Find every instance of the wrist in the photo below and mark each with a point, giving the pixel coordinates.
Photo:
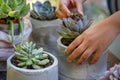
(115, 21)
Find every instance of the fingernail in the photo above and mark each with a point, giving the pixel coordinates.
(68, 14)
(81, 13)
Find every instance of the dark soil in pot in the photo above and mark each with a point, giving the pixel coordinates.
(66, 41)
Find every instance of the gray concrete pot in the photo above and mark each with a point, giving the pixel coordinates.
(71, 71)
(45, 32)
(49, 73)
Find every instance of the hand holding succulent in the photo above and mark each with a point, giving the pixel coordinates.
(92, 43)
(72, 27)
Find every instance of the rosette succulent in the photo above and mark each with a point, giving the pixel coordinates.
(11, 10)
(72, 27)
(43, 11)
(27, 56)
(112, 74)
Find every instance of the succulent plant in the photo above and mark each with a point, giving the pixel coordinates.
(43, 11)
(112, 74)
(27, 56)
(11, 10)
(72, 27)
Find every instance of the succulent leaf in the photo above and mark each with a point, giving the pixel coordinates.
(29, 62)
(44, 62)
(12, 3)
(5, 8)
(1, 2)
(36, 66)
(22, 64)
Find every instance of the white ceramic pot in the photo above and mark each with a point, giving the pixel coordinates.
(71, 71)
(44, 33)
(49, 73)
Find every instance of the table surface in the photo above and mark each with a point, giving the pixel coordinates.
(112, 60)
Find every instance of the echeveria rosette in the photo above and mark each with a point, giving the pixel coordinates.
(112, 74)
(29, 57)
(72, 27)
(13, 9)
(43, 11)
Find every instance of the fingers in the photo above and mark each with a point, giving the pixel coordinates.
(74, 44)
(62, 11)
(96, 57)
(88, 52)
(65, 10)
(79, 8)
(77, 52)
(59, 14)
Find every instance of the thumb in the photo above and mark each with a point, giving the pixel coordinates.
(79, 8)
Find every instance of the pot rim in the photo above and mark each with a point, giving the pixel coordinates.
(55, 63)
(60, 43)
(43, 20)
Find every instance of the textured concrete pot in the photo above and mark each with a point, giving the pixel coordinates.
(71, 71)
(48, 73)
(45, 32)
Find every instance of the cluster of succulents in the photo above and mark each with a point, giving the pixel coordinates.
(43, 11)
(11, 10)
(31, 58)
(72, 27)
(112, 74)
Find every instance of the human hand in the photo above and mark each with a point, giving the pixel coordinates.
(67, 6)
(93, 41)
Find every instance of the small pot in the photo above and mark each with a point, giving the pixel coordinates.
(48, 73)
(71, 71)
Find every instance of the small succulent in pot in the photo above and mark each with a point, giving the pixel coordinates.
(12, 11)
(27, 56)
(43, 11)
(72, 27)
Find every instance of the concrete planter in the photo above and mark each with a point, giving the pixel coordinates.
(45, 32)
(71, 71)
(48, 73)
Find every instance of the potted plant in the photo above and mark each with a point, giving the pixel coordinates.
(44, 23)
(30, 63)
(72, 27)
(11, 26)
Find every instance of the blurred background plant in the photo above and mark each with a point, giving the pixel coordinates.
(43, 11)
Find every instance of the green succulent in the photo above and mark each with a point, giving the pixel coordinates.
(13, 9)
(29, 57)
(72, 27)
(43, 11)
